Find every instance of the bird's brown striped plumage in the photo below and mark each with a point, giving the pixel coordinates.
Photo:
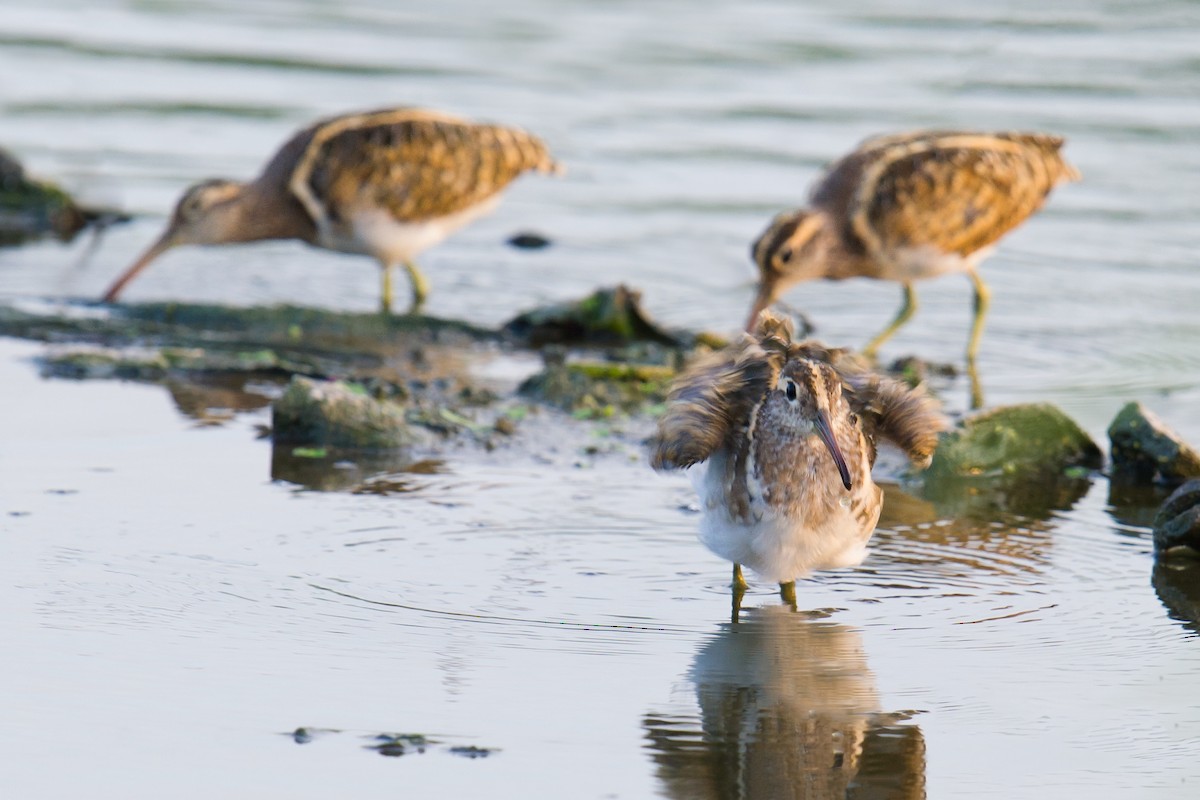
(911, 206)
(417, 164)
(784, 434)
(385, 183)
(713, 400)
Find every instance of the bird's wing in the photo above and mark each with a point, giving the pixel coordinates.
(707, 401)
(956, 192)
(416, 164)
(909, 418)
(717, 392)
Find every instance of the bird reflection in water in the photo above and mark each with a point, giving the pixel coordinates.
(788, 709)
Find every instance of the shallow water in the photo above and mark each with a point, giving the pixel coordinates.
(174, 613)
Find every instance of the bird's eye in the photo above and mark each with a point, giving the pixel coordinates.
(853, 419)
(785, 255)
(790, 391)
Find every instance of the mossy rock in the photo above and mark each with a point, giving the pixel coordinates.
(600, 389)
(1145, 449)
(1030, 440)
(1024, 459)
(335, 414)
(606, 317)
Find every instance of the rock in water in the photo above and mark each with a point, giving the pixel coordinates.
(1025, 459)
(1177, 523)
(1144, 449)
(606, 317)
(1030, 440)
(335, 414)
(31, 209)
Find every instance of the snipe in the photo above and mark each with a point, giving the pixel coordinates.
(780, 439)
(387, 184)
(908, 207)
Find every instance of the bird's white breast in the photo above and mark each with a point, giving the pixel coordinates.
(774, 544)
(908, 264)
(376, 232)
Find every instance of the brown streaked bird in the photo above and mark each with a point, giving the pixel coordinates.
(911, 206)
(387, 184)
(780, 438)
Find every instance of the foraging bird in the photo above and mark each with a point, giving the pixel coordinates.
(387, 184)
(780, 436)
(908, 207)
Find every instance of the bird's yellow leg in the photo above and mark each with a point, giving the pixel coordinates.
(739, 580)
(420, 287)
(739, 591)
(787, 591)
(983, 301)
(976, 386)
(385, 293)
(906, 311)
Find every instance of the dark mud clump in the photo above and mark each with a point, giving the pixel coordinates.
(31, 209)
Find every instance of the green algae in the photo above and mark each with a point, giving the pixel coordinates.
(1022, 441)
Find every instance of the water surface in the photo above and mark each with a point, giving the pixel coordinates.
(174, 613)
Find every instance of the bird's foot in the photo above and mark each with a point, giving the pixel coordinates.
(787, 591)
(739, 588)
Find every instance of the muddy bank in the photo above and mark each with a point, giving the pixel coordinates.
(359, 399)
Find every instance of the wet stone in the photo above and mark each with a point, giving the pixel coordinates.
(1027, 441)
(1177, 523)
(1145, 449)
(606, 317)
(336, 414)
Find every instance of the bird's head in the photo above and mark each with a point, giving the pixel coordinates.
(205, 214)
(807, 399)
(789, 251)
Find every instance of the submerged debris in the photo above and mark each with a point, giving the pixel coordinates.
(471, 751)
(528, 240)
(1177, 523)
(1145, 449)
(399, 744)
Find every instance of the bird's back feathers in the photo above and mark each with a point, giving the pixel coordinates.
(711, 401)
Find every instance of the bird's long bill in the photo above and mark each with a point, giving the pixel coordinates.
(825, 431)
(764, 298)
(155, 250)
